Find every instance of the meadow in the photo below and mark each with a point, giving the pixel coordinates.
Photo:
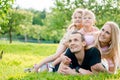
(18, 56)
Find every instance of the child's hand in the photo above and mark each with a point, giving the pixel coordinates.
(66, 60)
(35, 68)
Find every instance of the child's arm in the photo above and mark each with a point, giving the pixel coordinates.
(61, 48)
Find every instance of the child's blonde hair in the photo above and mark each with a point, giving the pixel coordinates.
(89, 12)
(78, 10)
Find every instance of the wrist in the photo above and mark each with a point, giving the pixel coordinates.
(74, 72)
(77, 69)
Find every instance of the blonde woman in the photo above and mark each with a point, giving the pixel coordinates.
(108, 44)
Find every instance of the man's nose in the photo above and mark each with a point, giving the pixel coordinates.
(72, 42)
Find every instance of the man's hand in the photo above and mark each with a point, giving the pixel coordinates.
(84, 71)
(66, 70)
(61, 67)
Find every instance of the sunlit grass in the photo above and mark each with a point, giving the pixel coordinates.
(28, 48)
(12, 64)
(18, 56)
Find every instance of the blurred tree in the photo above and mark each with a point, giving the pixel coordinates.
(25, 24)
(36, 32)
(5, 5)
(53, 24)
(24, 30)
(57, 20)
(60, 16)
(38, 17)
(15, 18)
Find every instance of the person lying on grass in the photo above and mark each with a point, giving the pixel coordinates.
(85, 18)
(108, 44)
(80, 60)
(48, 62)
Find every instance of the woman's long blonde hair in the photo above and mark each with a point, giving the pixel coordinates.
(113, 50)
(89, 12)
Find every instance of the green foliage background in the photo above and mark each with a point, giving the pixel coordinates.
(22, 24)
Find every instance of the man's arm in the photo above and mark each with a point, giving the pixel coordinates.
(64, 63)
(95, 61)
(65, 69)
(84, 71)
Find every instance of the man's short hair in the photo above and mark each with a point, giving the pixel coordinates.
(82, 36)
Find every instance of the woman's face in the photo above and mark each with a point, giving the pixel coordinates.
(105, 34)
(88, 20)
(77, 19)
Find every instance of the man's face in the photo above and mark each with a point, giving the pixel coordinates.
(75, 43)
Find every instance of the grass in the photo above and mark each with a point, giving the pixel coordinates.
(18, 56)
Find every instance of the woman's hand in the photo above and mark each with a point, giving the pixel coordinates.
(98, 68)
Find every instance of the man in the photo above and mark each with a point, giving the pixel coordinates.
(77, 60)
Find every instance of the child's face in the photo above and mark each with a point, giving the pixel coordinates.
(77, 19)
(88, 20)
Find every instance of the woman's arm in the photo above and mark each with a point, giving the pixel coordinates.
(98, 68)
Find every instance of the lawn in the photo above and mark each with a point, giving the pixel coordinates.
(18, 56)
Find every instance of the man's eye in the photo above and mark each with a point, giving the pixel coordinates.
(75, 39)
